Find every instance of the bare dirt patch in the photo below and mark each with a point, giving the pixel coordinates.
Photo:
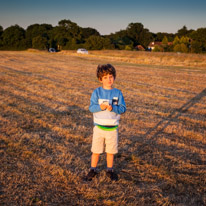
(46, 131)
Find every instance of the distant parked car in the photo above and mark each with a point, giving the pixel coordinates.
(52, 50)
(82, 51)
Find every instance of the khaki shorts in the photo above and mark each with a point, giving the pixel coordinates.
(107, 138)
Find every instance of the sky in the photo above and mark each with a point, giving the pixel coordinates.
(106, 16)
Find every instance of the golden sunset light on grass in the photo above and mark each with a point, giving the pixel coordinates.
(46, 129)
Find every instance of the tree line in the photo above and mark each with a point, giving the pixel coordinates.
(67, 35)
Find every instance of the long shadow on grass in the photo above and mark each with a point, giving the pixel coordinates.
(185, 166)
(40, 111)
(150, 138)
(178, 173)
(149, 150)
(174, 115)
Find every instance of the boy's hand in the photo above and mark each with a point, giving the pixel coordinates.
(109, 108)
(103, 106)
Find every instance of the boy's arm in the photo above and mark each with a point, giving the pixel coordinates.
(94, 105)
(121, 107)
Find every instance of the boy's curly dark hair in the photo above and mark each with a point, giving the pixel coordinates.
(105, 69)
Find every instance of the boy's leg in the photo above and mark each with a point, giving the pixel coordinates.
(110, 172)
(111, 149)
(92, 172)
(94, 160)
(110, 160)
(97, 148)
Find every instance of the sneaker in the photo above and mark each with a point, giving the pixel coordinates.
(112, 175)
(91, 174)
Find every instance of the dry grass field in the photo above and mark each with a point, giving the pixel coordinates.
(46, 129)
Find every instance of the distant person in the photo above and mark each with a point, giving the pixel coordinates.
(106, 104)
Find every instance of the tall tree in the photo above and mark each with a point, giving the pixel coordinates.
(71, 29)
(59, 36)
(182, 32)
(36, 30)
(199, 40)
(138, 34)
(13, 38)
(134, 31)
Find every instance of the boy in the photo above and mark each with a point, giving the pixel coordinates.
(107, 103)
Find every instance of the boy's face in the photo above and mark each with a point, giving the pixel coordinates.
(107, 81)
